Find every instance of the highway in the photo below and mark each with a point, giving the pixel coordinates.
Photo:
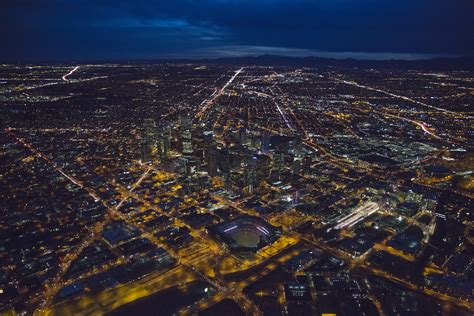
(207, 103)
(268, 267)
(70, 73)
(421, 124)
(284, 117)
(353, 83)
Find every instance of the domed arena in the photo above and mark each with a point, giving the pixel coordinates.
(245, 233)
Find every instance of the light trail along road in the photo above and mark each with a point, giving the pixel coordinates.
(284, 117)
(421, 124)
(353, 83)
(215, 95)
(70, 73)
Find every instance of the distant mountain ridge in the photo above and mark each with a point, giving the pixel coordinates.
(459, 63)
(446, 63)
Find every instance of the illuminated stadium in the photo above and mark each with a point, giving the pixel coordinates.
(245, 233)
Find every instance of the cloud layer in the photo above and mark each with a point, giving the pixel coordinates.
(119, 29)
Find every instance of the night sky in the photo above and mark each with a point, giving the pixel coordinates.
(81, 30)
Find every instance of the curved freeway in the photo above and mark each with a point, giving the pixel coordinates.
(70, 73)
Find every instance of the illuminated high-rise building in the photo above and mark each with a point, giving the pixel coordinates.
(243, 136)
(227, 182)
(207, 143)
(252, 174)
(184, 123)
(149, 129)
(212, 162)
(255, 142)
(187, 142)
(295, 197)
(278, 164)
(165, 148)
(187, 165)
(148, 140)
(185, 135)
(265, 142)
(307, 161)
(224, 161)
(296, 167)
(145, 151)
(235, 158)
(263, 168)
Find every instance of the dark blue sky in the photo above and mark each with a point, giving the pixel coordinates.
(140, 29)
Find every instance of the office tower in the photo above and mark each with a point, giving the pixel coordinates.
(184, 123)
(185, 135)
(227, 182)
(242, 136)
(263, 168)
(235, 158)
(278, 164)
(149, 127)
(148, 138)
(295, 197)
(187, 165)
(224, 161)
(307, 161)
(207, 142)
(161, 142)
(198, 143)
(255, 142)
(265, 142)
(193, 165)
(145, 151)
(212, 162)
(160, 148)
(297, 157)
(165, 148)
(296, 167)
(182, 166)
(186, 141)
(252, 174)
